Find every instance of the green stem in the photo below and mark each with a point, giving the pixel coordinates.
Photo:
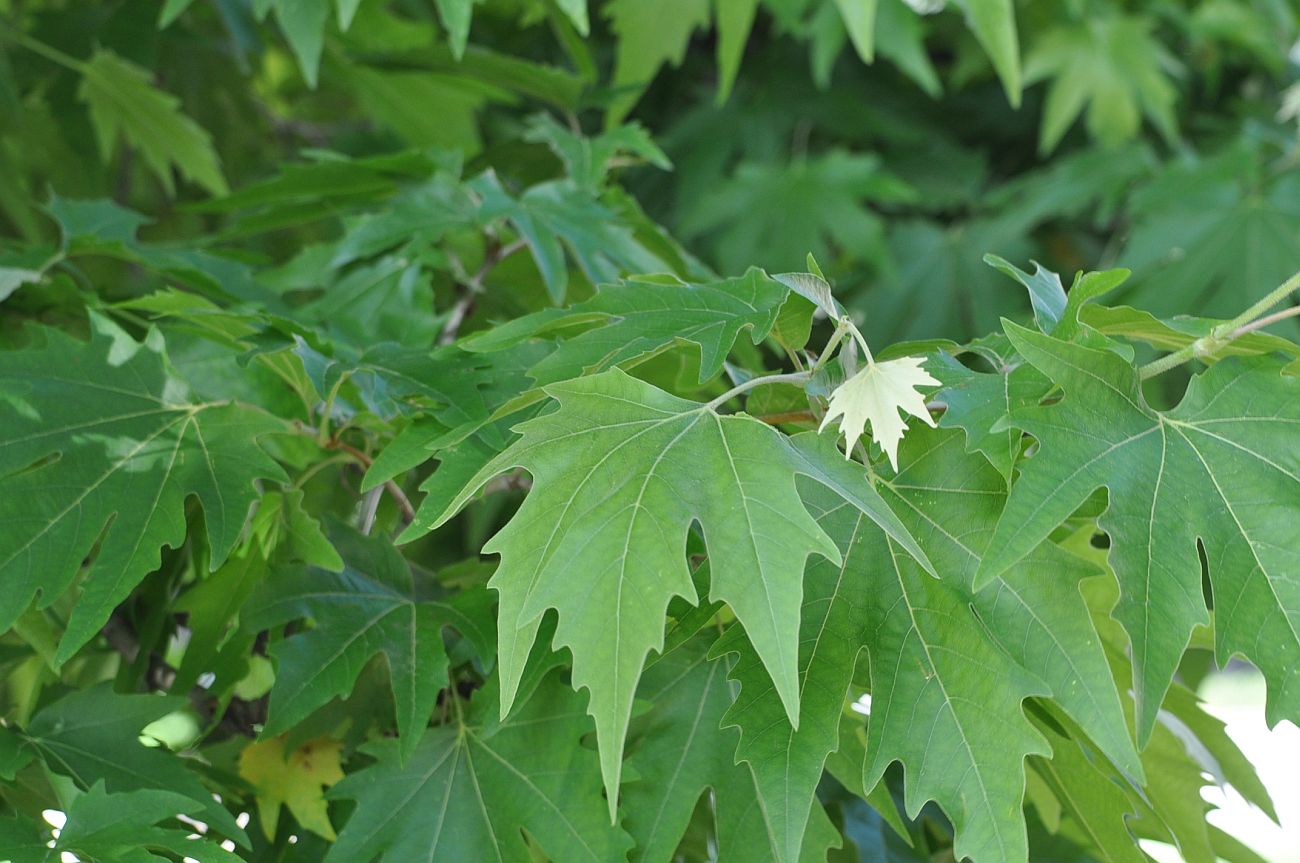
(1280, 293)
(831, 345)
(789, 378)
(323, 435)
(1266, 321)
(1224, 333)
(862, 342)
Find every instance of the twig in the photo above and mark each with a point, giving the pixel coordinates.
(784, 417)
(393, 489)
(471, 288)
(1224, 333)
(370, 506)
(1265, 321)
(789, 378)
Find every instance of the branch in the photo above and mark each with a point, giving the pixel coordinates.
(471, 288)
(393, 489)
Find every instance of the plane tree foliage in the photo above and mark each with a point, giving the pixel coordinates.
(751, 430)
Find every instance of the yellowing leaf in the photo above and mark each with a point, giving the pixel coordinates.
(876, 394)
(298, 781)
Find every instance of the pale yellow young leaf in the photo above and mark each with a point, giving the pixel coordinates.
(876, 395)
(298, 781)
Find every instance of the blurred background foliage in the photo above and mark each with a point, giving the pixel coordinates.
(377, 177)
(897, 141)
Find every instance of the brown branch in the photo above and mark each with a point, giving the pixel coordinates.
(787, 417)
(472, 287)
(393, 489)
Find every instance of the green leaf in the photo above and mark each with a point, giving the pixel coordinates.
(213, 606)
(812, 204)
(735, 21)
(649, 35)
(1111, 65)
(1040, 624)
(968, 752)
(1208, 232)
(93, 736)
(1046, 293)
(979, 403)
(124, 104)
(1091, 798)
(24, 840)
(682, 751)
(455, 16)
(281, 522)
(1219, 471)
(486, 780)
(14, 755)
(100, 446)
(900, 38)
(788, 762)
(814, 288)
(642, 316)
(303, 24)
(620, 472)
(860, 21)
(587, 160)
(1178, 332)
(172, 10)
(449, 118)
(370, 608)
(116, 828)
(994, 24)
(553, 216)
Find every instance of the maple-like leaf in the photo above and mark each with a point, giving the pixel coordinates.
(1243, 234)
(968, 751)
(296, 779)
(100, 445)
(793, 208)
(683, 750)
(370, 608)
(587, 160)
(876, 394)
(620, 472)
(470, 790)
(787, 762)
(950, 502)
(648, 37)
(558, 215)
(124, 104)
(117, 828)
(93, 736)
(644, 315)
(1221, 470)
(1111, 65)
(1092, 799)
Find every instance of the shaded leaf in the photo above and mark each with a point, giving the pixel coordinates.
(131, 447)
(123, 103)
(485, 780)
